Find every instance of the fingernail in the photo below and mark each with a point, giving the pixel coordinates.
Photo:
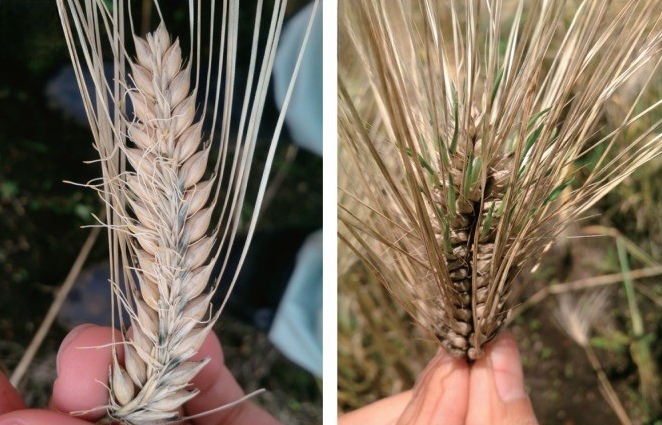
(507, 369)
(67, 340)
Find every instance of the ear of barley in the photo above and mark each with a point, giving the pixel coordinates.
(476, 139)
(159, 191)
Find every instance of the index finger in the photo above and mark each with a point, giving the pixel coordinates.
(218, 387)
(82, 371)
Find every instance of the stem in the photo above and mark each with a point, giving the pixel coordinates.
(637, 322)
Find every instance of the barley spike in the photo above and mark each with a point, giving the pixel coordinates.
(462, 131)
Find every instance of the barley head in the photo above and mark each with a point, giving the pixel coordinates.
(480, 126)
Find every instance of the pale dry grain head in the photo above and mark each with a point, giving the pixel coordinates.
(167, 232)
(482, 120)
(160, 192)
(577, 315)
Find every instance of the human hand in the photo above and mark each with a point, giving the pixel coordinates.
(450, 392)
(82, 373)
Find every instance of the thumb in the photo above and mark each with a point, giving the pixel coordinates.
(496, 387)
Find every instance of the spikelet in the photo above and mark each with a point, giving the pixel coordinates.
(160, 193)
(475, 141)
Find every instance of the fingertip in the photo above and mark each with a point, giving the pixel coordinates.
(440, 393)
(217, 388)
(443, 356)
(496, 390)
(71, 336)
(10, 399)
(82, 370)
(507, 368)
(211, 349)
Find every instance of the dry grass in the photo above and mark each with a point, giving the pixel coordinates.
(380, 350)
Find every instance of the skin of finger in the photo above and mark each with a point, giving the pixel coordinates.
(383, 412)
(440, 394)
(10, 399)
(218, 387)
(501, 363)
(39, 417)
(82, 371)
(77, 388)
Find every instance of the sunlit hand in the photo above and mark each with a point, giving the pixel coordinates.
(450, 392)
